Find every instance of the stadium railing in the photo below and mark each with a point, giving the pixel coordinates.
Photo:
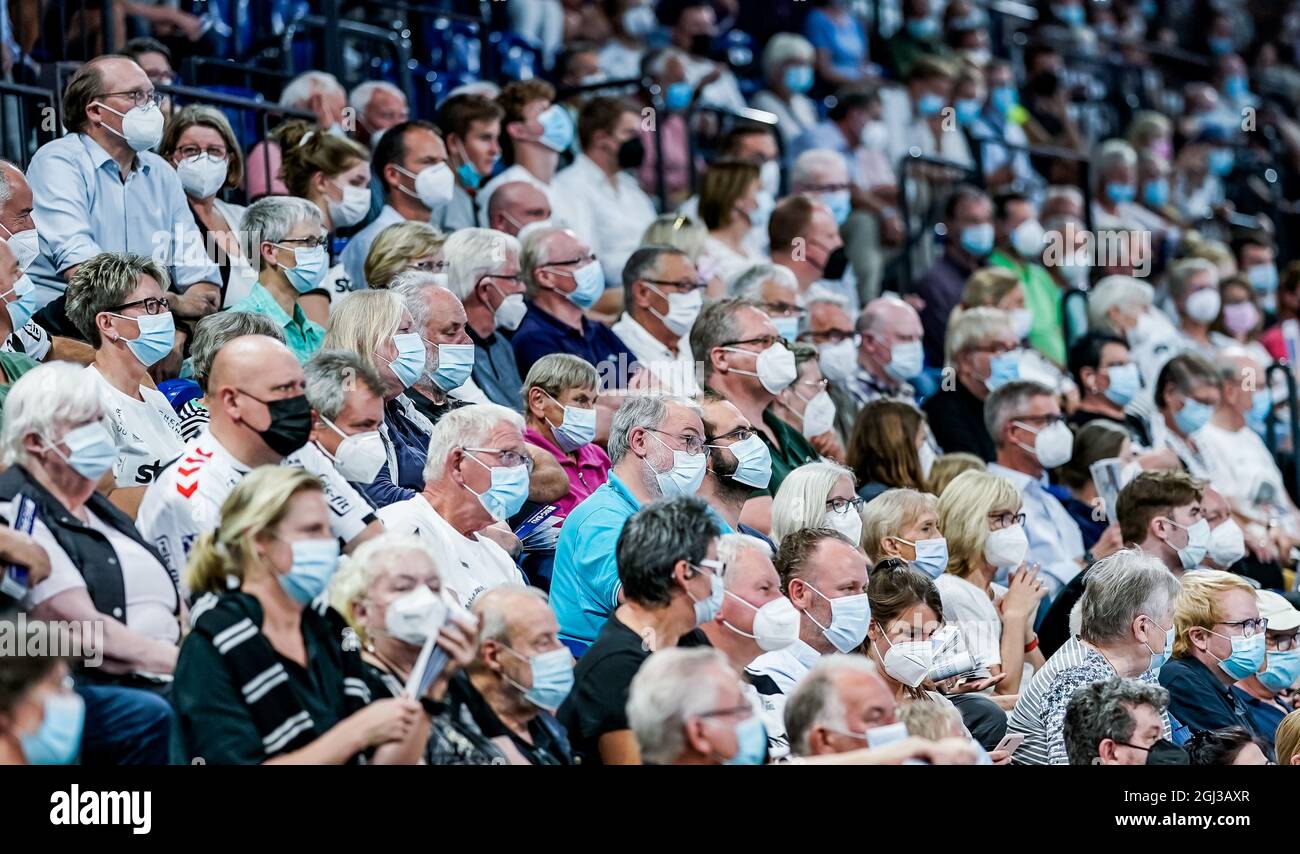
(30, 116)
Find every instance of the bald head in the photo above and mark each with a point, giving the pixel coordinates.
(887, 312)
(516, 204)
(248, 375)
(242, 359)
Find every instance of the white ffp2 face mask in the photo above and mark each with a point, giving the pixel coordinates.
(908, 661)
(1053, 444)
(1227, 543)
(202, 176)
(776, 623)
(1006, 547)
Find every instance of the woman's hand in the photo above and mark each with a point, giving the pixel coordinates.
(952, 686)
(1024, 592)
(461, 643)
(390, 719)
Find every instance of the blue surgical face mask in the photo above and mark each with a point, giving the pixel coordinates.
(1158, 659)
(850, 618)
(1236, 86)
(798, 78)
(929, 104)
(59, 737)
(1003, 98)
(707, 609)
(576, 429)
(91, 450)
(1261, 404)
(508, 492)
(1220, 45)
(787, 327)
(753, 462)
(309, 267)
(1155, 192)
(1119, 192)
(156, 338)
(978, 239)
(469, 175)
(922, 29)
(1282, 671)
(590, 285)
(967, 110)
(314, 562)
(677, 96)
(931, 555)
(906, 360)
(840, 203)
(751, 742)
(1193, 416)
(1124, 383)
(1263, 277)
(557, 128)
(1221, 161)
(455, 363)
(1247, 655)
(1003, 368)
(22, 309)
(410, 360)
(552, 677)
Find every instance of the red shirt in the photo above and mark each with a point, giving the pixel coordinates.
(589, 471)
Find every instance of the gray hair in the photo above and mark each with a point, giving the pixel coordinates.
(749, 284)
(557, 372)
(970, 327)
(800, 502)
(270, 219)
(212, 332)
(331, 374)
(1064, 191)
(46, 400)
(1118, 589)
(1118, 290)
(466, 427)
(103, 283)
(730, 546)
(1112, 153)
(644, 260)
(1102, 710)
(640, 410)
(814, 163)
(472, 253)
(815, 701)
(874, 313)
(357, 572)
(495, 607)
(1182, 271)
(411, 285)
(673, 686)
(300, 89)
(6, 183)
(1007, 400)
(715, 326)
(361, 95)
(535, 252)
(783, 48)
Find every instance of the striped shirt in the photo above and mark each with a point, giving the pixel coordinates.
(1039, 714)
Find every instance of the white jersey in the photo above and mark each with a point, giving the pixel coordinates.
(32, 340)
(147, 432)
(185, 501)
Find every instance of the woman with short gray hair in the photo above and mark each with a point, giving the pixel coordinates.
(1127, 630)
(560, 394)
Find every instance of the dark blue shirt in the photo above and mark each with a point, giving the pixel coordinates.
(1083, 515)
(1200, 701)
(542, 333)
(1266, 716)
(411, 447)
(495, 371)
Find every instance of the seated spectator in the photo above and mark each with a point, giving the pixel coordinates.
(445, 382)
(561, 391)
(998, 287)
(1032, 438)
(285, 246)
(1108, 380)
(516, 204)
(483, 273)
(739, 465)
(1187, 394)
(888, 449)
(1127, 630)
(662, 296)
(1268, 692)
(409, 246)
(475, 475)
(13, 364)
(1098, 440)
(729, 207)
(670, 583)
(670, 139)
(630, 21)
(1020, 239)
(564, 280)
(347, 404)
(776, 291)
(648, 433)
(1001, 136)
(273, 555)
(947, 467)
(41, 719)
(1257, 261)
(685, 707)
(313, 91)
(979, 514)
(534, 132)
(1207, 662)
(1119, 722)
(968, 217)
(210, 335)
(788, 73)
(805, 238)
(828, 327)
(376, 327)
(112, 296)
(1241, 321)
(472, 128)
(899, 522)
(1194, 294)
(919, 38)
(805, 404)
(839, 37)
(410, 163)
(824, 576)
(200, 143)
(22, 300)
(155, 60)
(1288, 740)
(817, 495)
(981, 352)
(693, 28)
(1229, 746)
(888, 356)
(376, 105)
(1123, 306)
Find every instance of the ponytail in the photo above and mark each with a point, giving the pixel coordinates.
(306, 149)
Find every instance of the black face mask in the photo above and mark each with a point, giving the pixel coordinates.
(836, 263)
(1165, 752)
(631, 154)
(290, 424)
(702, 46)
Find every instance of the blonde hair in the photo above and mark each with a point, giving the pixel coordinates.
(397, 247)
(926, 718)
(258, 503)
(357, 572)
(1198, 605)
(987, 286)
(968, 327)
(964, 510)
(948, 466)
(1287, 739)
(210, 117)
(306, 149)
(361, 320)
(801, 500)
(678, 231)
(889, 513)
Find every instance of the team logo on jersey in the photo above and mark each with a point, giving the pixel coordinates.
(187, 471)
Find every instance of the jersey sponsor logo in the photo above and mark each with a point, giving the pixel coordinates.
(148, 472)
(187, 471)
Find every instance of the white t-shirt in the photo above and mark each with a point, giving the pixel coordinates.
(467, 565)
(151, 603)
(972, 611)
(147, 432)
(616, 213)
(1239, 464)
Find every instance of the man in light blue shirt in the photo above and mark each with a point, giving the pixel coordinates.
(645, 438)
(99, 189)
(1031, 436)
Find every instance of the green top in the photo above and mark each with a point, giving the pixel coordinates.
(301, 335)
(1043, 299)
(15, 365)
(795, 450)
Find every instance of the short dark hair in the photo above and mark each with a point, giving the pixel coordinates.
(642, 260)
(731, 141)
(143, 44)
(1102, 710)
(960, 194)
(1004, 200)
(797, 549)
(1086, 353)
(1220, 746)
(392, 145)
(1152, 494)
(1099, 439)
(655, 539)
(852, 98)
(82, 88)
(1185, 371)
(1254, 237)
(600, 113)
(458, 112)
(892, 588)
(789, 221)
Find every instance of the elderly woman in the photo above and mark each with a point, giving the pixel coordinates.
(118, 302)
(730, 205)
(101, 569)
(333, 173)
(980, 349)
(284, 241)
(405, 246)
(1126, 629)
(888, 449)
(377, 327)
(1001, 288)
(806, 405)
(560, 393)
(257, 576)
(817, 495)
(1186, 394)
(41, 718)
(1241, 320)
(210, 335)
(200, 143)
(1115, 187)
(979, 514)
(788, 71)
(903, 522)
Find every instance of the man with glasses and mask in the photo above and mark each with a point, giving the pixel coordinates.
(662, 296)
(101, 189)
(260, 416)
(656, 444)
(483, 273)
(1268, 695)
(739, 464)
(1119, 722)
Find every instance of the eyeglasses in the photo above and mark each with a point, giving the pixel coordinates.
(215, 152)
(691, 444)
(683, 287)
(305, 242)
(998, 521)
(1045, 420)
(514, 278)
(821, 384)
(764, 341)
(829, 336)
(509, 459)
(740, 434)
(139, 97)
(429, 266)
(1284, 643)
(152, 305)
(582, 259)
(743, 710)
(841, 505)
(712, 567)
(1249, 628)
(784, 309)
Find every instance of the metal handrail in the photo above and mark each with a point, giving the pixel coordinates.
(333, 29)
(910, 240)
(1293, 409)
(27, 96)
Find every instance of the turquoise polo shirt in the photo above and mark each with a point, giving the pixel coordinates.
(301, 335)
(584, 582)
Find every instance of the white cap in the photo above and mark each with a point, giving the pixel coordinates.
(1282, 615)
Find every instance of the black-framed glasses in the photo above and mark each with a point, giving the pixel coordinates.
(514, 278)
(1249, 628)
(215, 152)
(1284, 643)
(434, 266)
(691, 444)
(1005, 520)
(712, 567)
(686, 287)
(152, 305)
(508, 458)
(740, 434)
(841, 505)
(305, 242)
(764, 341)
(139, 97)
(583, 259)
